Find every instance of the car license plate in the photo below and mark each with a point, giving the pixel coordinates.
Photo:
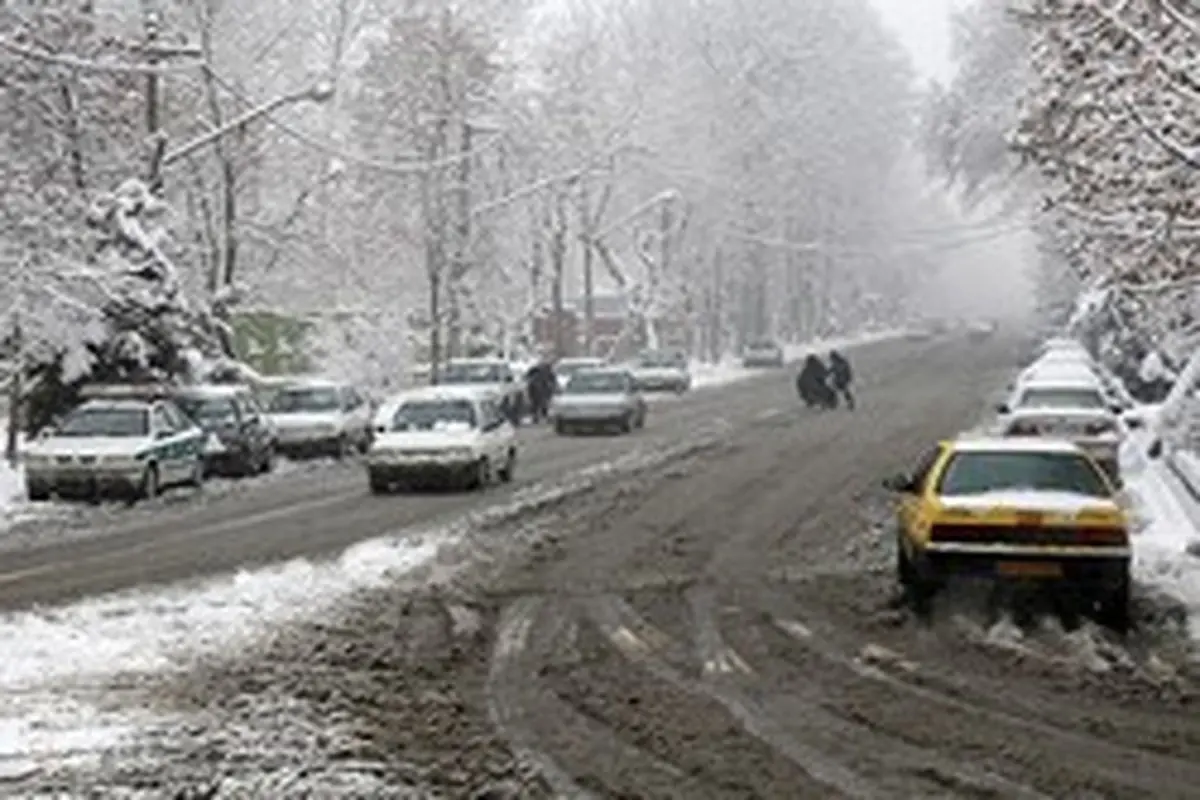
(1029, 569)
(1030, 518)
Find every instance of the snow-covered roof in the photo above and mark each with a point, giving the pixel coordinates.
(215, 389)
(313, 382)
(1072, 382)
(433, 393)
(1035, 412)
(1033, 444)
(116, 404)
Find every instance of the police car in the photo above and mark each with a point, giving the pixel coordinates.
(130, 441)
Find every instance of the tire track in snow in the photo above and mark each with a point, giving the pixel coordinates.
(506, 709)
(642, 643)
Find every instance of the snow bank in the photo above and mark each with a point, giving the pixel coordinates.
(73, 679)
(730, 370)
(12, 486)
(1165, 517)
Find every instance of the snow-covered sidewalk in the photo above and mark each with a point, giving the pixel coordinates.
(12, 487)
(730, 370)
(1167, 528)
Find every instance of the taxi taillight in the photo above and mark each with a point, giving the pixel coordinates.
(1030, 535)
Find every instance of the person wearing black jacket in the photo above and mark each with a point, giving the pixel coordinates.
(812, 384)
(540, 384)
(841, 376)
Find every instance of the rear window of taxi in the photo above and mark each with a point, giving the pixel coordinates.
(981, 472)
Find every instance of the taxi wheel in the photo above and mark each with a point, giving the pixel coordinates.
(1113, 607)
(378, 484)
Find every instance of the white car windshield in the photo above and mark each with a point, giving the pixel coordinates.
(302, 400)
(984, 472)
(474, 373)
(431, 415)
(661, 361)
(1062, 398)
(568, 368)
(106, 422)
(597, 383)
(208, 410)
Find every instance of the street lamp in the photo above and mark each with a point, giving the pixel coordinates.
(322, 91)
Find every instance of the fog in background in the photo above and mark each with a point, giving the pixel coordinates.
(989, 277)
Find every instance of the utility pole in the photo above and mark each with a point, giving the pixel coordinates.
(454, 331)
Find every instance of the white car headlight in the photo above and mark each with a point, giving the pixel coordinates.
(460, 452)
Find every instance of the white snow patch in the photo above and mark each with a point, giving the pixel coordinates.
(1166, 518)
(12, 488)
(70, 677)
(1032, 499)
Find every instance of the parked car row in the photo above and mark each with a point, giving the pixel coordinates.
(136, 440)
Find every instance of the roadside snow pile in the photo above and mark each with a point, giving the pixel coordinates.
(12, 487)
(730, 370)
(74, 681)
(1165, 527)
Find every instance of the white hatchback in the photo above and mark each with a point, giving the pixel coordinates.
(442, 434)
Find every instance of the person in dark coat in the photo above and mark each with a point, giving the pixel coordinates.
(812, 384)
(841, 376)
(540, 385)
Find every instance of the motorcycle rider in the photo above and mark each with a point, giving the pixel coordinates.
(841, 376)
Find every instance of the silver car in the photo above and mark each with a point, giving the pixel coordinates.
(763, 353)
(599, 399)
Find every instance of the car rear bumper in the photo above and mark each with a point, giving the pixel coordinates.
(1107, 566)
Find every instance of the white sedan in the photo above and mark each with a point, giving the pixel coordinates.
(441, 434)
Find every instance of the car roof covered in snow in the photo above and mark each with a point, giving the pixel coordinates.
(116, 404)
(312, 382)
(992, 444)
(450, 392)
(582, 360)
(1050, 382)
(213, 390)
(1081, 412)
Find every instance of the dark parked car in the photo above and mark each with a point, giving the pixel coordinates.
(240, 440)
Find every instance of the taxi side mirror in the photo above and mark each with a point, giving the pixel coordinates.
(1155, 450)
(899, 483)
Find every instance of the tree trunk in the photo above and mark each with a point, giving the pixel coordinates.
(558, 257)
(15, 391)
(589, 299)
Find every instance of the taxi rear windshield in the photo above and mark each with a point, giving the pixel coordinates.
(106, 422)
(432, 415)
(979, 473)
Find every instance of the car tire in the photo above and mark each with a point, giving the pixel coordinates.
(905, 573)
(1113, 607)
(482, 476)
(627, 423)
(560, 427)
(510, 468)
(196, 481)
(377, 483)
(37, 493)
(268, 461)
(343, 448)
(149, 487)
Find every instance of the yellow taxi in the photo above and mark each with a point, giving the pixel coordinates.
(1013, 508)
